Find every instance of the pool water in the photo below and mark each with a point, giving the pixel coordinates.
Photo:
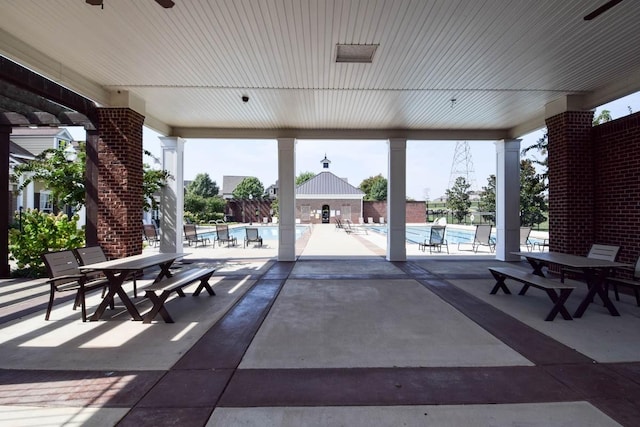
(267, 232)
(418, 234)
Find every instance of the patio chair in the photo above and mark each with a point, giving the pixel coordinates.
(482, 237)
(252, 235)
(65, 276)
(633, 283)
(541, 246)
(222, 235)
(436, 239)
(94, 254)
(606, 252)
(191, 235)
(524, 238)
(356, 229)
(151, 234)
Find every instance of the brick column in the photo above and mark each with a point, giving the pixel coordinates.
(119, 211)
(571, 182)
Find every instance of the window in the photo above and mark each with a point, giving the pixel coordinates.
(305, 212)
(46, 204)
(346, 211)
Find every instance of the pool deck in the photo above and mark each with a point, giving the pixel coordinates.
(338, 337)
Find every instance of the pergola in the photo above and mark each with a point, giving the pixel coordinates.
(438, 70)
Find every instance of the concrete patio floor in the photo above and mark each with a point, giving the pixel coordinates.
(339, 337)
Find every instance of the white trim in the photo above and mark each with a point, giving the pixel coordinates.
(329, 196)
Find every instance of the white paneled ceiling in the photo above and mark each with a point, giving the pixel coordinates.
(502, 61)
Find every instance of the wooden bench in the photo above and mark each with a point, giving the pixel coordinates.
(551, 287)
(159, 292)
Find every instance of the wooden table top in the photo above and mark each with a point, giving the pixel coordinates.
(570, 260)
(135, 262)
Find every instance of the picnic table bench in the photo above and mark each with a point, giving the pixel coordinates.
(558, 292)
(159, 292)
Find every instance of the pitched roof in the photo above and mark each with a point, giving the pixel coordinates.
(18, 151)
(327, 183)
(230, 182)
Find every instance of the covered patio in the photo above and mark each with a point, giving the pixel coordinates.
(363, 337)
(351, 340)
(438, 70)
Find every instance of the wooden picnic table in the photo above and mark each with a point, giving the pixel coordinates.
(595, 272)
(117, 271)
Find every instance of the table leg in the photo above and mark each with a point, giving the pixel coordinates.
(164, 271)
(115, 288)
(595, 283)
(537, 266)
(558, 304)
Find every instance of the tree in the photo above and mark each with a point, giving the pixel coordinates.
(487, 201)
(304, 177)
(532, 195)
(202, 185)
(64, 178)
(603, 117)
(250, 186)
(379, 190)
(458, 198)
(372, 188)
(533, 205)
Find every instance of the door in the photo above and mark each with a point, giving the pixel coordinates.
(325, 214)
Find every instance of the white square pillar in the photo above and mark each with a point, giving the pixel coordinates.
(172, 200)
(396, 200)
(507, 199)
(287, 199)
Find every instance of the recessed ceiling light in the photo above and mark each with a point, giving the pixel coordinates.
(358, 53)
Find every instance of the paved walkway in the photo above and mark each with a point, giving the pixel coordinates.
(340, 337)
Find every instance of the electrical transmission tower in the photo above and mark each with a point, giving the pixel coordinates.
(462, 165)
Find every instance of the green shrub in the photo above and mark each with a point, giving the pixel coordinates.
(42, 232)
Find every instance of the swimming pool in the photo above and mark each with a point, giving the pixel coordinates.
(418, 234)
(267, 232)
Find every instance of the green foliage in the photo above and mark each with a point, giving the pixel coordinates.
(458, 198)
(374, 188)
(63, 178)
(487, 202)
(603, 117)
(250, 186)
(379, 190)
(42, 232)
(66, 179)
(533, 205)
(304, 177)
(202, 185)
(200, 209)
(275, 207)
(532, 195)
(153, 180)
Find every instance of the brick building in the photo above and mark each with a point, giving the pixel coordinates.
(326, 196)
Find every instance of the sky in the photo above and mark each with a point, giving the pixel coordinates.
(429, 163)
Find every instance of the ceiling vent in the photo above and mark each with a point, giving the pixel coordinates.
(356, 53)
